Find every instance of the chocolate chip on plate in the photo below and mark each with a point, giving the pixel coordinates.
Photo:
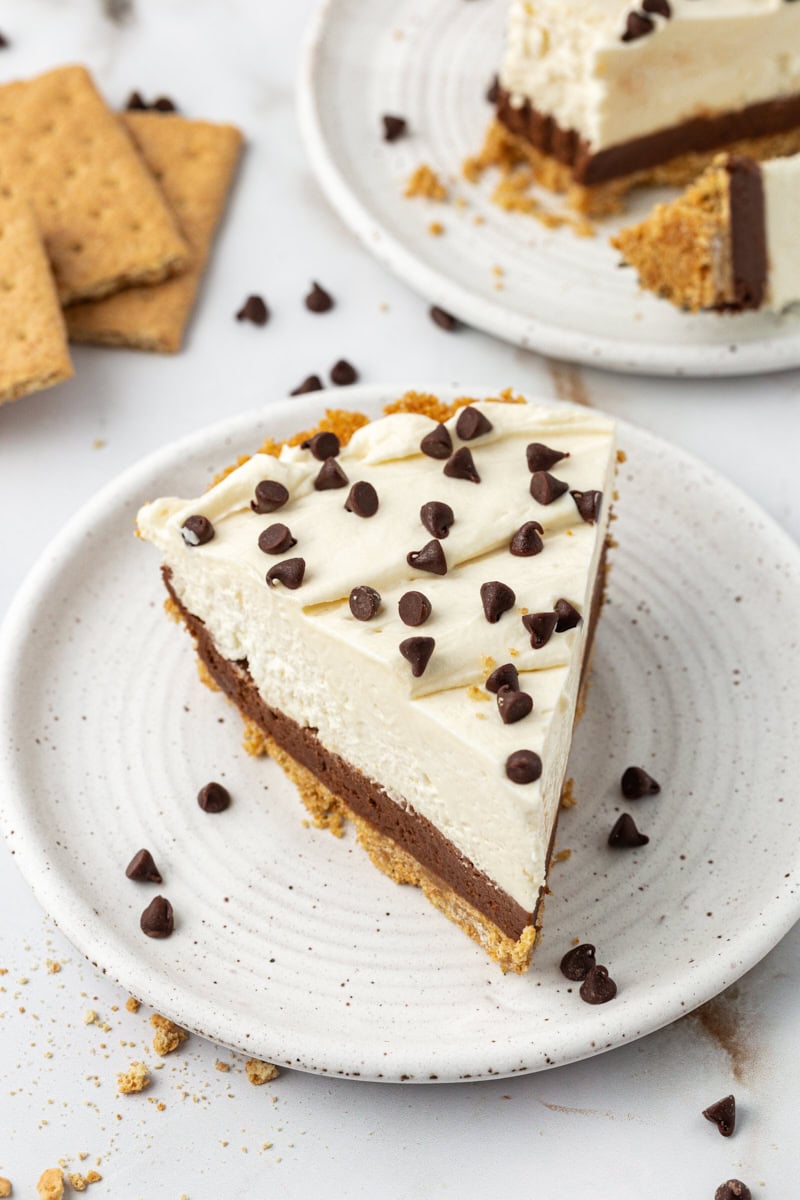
(523, 766)
(364, 602)
(505, 676)
(636, 783)
(462, 466)
(437, 443)
(541, 457)
(430, 558)
(197, 530)
(443, 319)
(567, 616)
(143, 869)
(290, 573)
(598, 987)
(527, 541)
(254, 310)
(437, 518)
(493, 90)
(343, 373)
(497, 598)
(269, 497)
(662, 7)
(330, 476)
(512, 705)
(588, 505)
(723, 1115)
(362, 499)
(625, 835)
(158, 919)
(541, 626)
(733, 1189)
(312, 383)
(276, 539)
(417, 651)
(472, 423)
(322, 445)
(414, 608)
(213, 797)
(578, 962)
(545, 488)
(394, 127)
(318, 300)
(637, 26)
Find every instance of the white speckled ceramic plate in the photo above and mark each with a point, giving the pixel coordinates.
(561, 295)
(288, 943)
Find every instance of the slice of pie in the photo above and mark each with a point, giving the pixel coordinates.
(403, 617)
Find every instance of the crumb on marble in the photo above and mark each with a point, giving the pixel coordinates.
(135, 1079)
(259, 1072)
(5, 1187)
(168, 1035)
(132, 1004)
(51, 1184)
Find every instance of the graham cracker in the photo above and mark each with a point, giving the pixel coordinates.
(194, 162)
(33, 342)
(104, 221)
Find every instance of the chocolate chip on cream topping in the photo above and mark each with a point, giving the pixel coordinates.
(461, 747)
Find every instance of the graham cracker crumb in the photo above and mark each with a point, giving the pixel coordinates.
(254, 741)
(568, 798)
(477, 693)
(563, 855)
(5, 1187)
(93, 1176)
(488, 664)
(51, 1184)
(135, 1079)
(89, 1017)
(168, 1035)
(219, 1065)
(260, 1072)
(436, 229)
(622, 456)
(132, 1004)
(340, 421)
(424, 182)
(52, 967)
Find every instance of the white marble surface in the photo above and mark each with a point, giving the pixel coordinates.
(622, 1126)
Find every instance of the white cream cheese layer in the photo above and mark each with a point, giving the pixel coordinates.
(781, 180)
(435, 743)
(567, 58)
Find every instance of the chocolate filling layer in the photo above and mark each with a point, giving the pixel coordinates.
(748, 232)
(698, 134)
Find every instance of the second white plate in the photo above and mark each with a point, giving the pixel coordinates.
(559, 294)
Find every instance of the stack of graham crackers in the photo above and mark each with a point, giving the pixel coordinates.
(106, 224)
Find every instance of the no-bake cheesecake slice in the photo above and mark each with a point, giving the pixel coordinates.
(601, 95)
(404, 620)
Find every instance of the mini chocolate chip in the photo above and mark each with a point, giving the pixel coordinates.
(437, 443)
(213, 798)
(513, 706)
(330, 476)
(276, 539)
(505, 676)
(135, 103)
(662, 7)
(394, 127)
(527, 541)
(597, 987)
(322, 445)
(567, 617)
(541, 626)
(290, 573)
(437, 518)
(362, 499)
(723, 1115)
(443, 319)
(493, 90)
(343, 373)
(545, 488)
(541, 457)
(255, 310)
(312, 383)
(157, 920)
(4, 42)
(637, 26)
(164, 104)
(625, 835)
(588, 505)
(364, 602)
(318, 300)
(417, 651)
(472, 423)
(143, 869)
(414, 608)
(461, 466)
(523, 766)
(497, 598)
(430, 558)
(733, 1189)
(578, 962)
(269, 497)
(636, 783)
(197, 531)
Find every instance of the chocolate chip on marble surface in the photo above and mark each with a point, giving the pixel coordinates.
(527, 541)
(462, 466)
(722, 1114)
(523, 766)
(733, 1189)
(213, 797)
(158, 919)
(343, 373)
(364, 602)
(417, 651)
(662, 7)
(276, 539)
(330, 476)
(637, 26)
(269, 497)
(394, 127)
(625, 835)
(588, 505)
(545, 488)
(636, 783)
(443, 319)
(437, 518)
(598, 987)
(414, 608)
(318, 300)
(362, 499)
(567, 616)
(437, 443)
(541, 457)
(497, 598)
(164, 104)
(493, 90)
(430, 558)
(578, 962)
(505, 676)
(322, 445)
(254, 310)
(513, 706)
(290, 573)
(142, 868)
(472, 423)
(135, 102)
(197, 530)
(541, 626)
(312, 383)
